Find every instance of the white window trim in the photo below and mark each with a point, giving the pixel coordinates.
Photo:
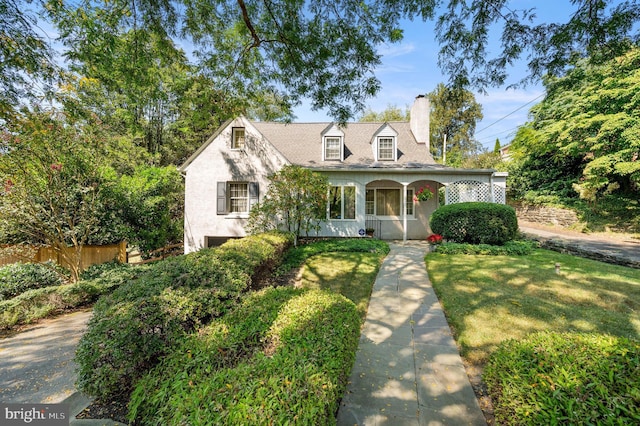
(324, 148)
(233, 138)
(245, 198)
(394, 150)
(342, 204)
(410, 193)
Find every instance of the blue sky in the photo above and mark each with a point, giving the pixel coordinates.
(411, 68)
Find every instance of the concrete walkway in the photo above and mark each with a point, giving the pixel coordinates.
(408, 370)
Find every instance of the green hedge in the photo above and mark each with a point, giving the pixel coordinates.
(282, 356)
(510, 248)
(20, 277)
(565, 378)
(39, 303)
(135, 326)
(475, 223)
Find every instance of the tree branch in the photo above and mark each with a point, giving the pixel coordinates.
(247, 21)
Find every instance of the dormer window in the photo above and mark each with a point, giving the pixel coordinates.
(386, 149)
(332, 148)
(237, 138)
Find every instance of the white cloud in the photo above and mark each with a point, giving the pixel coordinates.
(388, 50)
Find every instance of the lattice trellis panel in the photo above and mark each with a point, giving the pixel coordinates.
(499, 195)
(472, 190)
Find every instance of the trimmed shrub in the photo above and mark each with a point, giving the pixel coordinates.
(108, 270)
(475, 223)
(42, 302)
(140, 322)
(20, 277)
(565, 378)
(510, 248)
(283, 356)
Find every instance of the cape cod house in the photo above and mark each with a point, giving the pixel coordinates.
(374, 169)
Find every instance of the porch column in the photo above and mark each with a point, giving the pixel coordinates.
(404, 213)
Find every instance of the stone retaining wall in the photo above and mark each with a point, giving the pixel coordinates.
(545, 215)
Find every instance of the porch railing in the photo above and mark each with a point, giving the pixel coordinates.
(372, 222)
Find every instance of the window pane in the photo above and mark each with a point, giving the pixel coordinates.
(238, 197)
(409, 202)
(385, 149)
(370, 199)
(239, 206)
(335, 202)
(238, 138)
(332, 149)
(388, 202)
(349, 202)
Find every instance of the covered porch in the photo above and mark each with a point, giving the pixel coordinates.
(387, 202)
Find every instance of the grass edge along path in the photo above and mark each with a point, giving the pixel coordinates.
(492, 300)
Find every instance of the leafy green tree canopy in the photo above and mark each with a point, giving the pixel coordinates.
(150, 201)
(391, 113)
(328, 50)
(590, 118)
(53, 175)
(26, 65)
(454, 113)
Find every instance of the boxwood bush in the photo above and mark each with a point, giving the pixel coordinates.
(283, 356)
(475, 223)
(565, 378)
(20, 277)
(135, 326)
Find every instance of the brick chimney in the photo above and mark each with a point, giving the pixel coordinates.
(419, 120)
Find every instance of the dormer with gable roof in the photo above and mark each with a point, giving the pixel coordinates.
(384, 144)
(332, 143)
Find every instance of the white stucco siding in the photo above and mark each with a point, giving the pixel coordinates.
(219, 163)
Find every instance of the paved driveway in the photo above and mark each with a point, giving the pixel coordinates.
(36, 365)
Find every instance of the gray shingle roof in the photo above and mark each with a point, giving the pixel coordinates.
(301, 144)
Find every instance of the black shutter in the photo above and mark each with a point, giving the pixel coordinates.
(254, 194)
(222, 198)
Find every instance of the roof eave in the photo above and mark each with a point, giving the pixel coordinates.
(406, 170)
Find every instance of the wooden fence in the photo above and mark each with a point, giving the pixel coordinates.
(91, 255)
(160, 254)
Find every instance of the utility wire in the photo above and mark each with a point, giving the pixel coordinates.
(487, 139)
(512, 112)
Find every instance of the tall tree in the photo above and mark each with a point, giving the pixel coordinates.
(590, 118)
(454, 113)
(597, 29)
(324, 50)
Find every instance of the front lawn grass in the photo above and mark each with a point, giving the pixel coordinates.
(349, 274)
(488, 299)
